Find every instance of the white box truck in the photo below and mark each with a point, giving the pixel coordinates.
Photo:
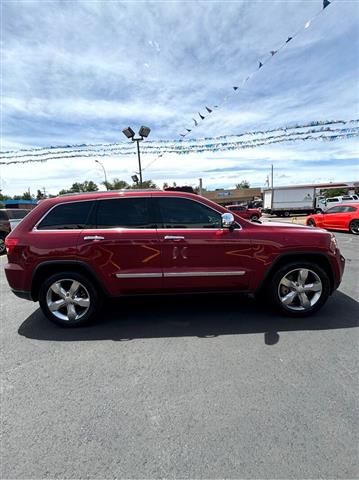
(285, 201)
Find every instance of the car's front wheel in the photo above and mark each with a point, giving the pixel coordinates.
(69, 299)
(311, 223)
(354, 227)
(254, 218)
(299, 289)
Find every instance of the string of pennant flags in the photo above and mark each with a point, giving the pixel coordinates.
(320, 130)
(124, 146)
(206, 111)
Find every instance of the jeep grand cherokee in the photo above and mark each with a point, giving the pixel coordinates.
(71, 252)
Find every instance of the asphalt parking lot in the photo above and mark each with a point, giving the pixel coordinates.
(202, 387)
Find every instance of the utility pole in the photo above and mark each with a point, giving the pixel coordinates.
(272, 176)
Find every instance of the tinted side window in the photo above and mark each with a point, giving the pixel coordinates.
(349, 209)
(335, 210)
(16, 214)
(185, 213)
(124, 213)
(67, 216)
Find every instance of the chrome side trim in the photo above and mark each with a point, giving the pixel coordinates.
(139, 275)
(238, 273)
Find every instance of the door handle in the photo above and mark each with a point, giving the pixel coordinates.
(173, 237)
(94, 237)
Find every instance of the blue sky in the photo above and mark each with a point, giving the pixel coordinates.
(79, 72)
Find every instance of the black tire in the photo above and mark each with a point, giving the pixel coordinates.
(311, 223)
(286, 214)
(254, 217)
(318, 297)
(2, 245)
(354, 227)
(318, 211)
(85, 291)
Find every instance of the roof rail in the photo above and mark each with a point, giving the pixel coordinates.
(121, 190)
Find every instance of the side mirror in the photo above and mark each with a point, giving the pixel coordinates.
(228, 220)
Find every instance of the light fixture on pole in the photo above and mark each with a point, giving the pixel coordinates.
(143, 133)
(104, 171)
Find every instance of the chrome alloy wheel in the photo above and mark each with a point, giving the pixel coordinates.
(300, 289)
(68, 299)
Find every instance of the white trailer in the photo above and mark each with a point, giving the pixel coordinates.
(284, 201)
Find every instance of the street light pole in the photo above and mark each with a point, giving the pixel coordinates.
(137, 140)
(143, 133)
(104, 171)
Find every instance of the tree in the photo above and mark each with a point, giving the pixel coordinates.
(116, 184)
(24, 196)
(4, 197)
(334, 192)
(86, 186)
(243, 184)
(145, 184)
(165, 185)
(40, 195)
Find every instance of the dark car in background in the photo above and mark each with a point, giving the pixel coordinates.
(9, 218)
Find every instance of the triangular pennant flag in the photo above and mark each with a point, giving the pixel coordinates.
(289, 39)
(188, 130)
(208, 110)
(215, 106)
(273, 52)
(182, 134)
(307, 24)
(260, 65)
(325, 3)
(235, 88)
(195, 122)
(202, 117)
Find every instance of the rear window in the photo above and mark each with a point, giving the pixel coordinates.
(3, 215)
(73, 215)
(16, 214)
(124, 213)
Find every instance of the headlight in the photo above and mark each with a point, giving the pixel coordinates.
(333, 244)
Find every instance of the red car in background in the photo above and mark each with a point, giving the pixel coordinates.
(341, 217)
(245, 212)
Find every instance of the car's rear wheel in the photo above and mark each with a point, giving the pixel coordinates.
(286, 214)
(354, 227)
(311, 223)
(299, 289)
(69, 299)
(254, 217)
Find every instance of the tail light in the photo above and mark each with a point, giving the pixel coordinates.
(10, 244)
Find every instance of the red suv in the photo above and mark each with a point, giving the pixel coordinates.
(245, 212)
(71, 252)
